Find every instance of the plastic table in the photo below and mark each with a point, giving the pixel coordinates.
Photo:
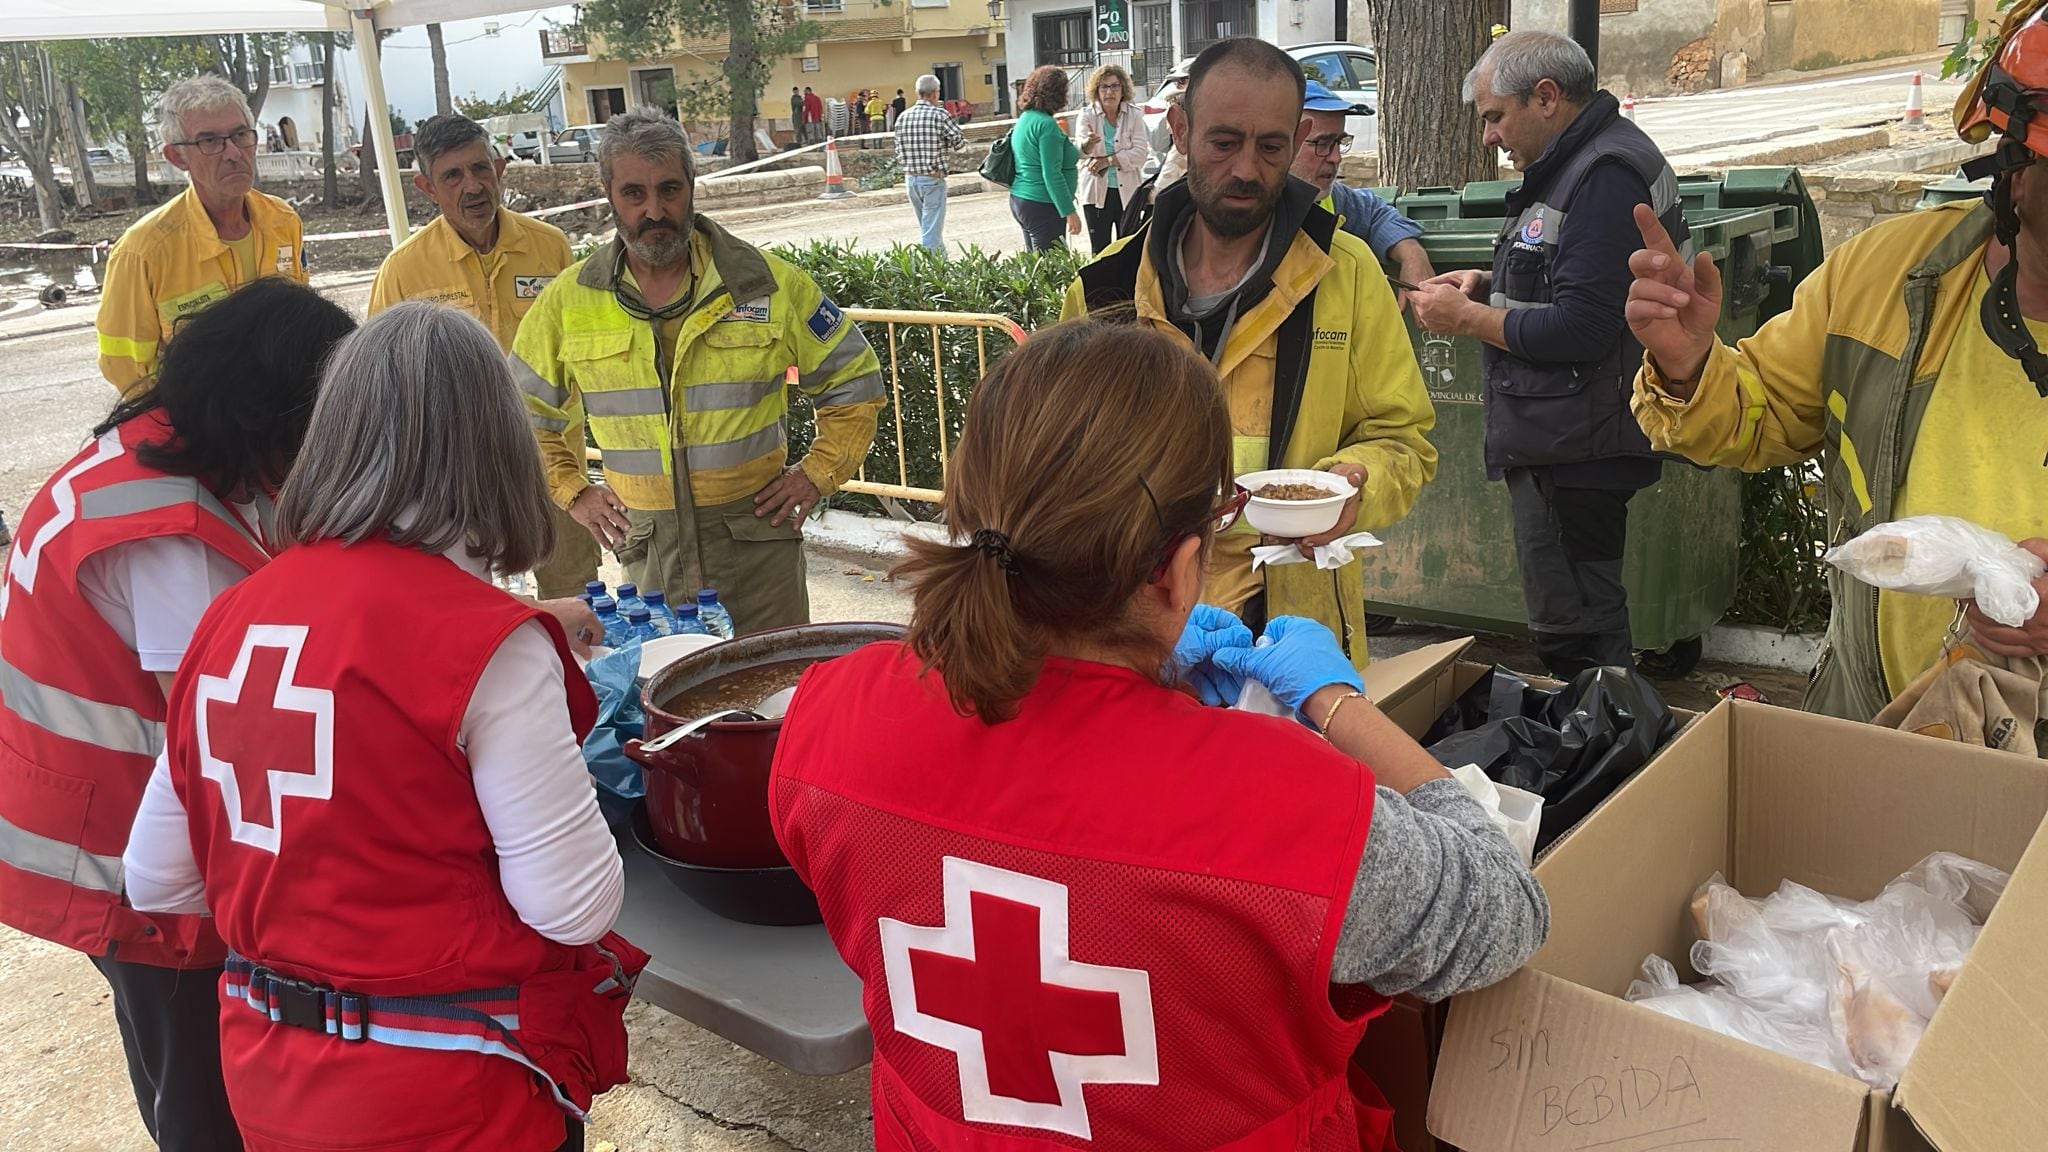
(780, 992)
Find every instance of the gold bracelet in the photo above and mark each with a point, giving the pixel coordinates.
(1336, 704)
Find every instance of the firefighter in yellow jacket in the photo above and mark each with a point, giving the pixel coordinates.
(1240, 261)
(491, 263)
(679, 342)
(1916, 397)
(218, 235)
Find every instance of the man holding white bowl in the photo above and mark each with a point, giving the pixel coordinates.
(1240, 261)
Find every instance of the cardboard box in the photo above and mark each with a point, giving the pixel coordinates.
(1400, 1049)
(1553, 1059)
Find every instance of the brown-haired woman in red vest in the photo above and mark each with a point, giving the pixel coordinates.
(1085, 906)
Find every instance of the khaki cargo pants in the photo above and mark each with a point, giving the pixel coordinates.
(757, 569)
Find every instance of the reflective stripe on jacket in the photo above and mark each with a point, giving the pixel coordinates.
(81, 722)
(759, 324)
(1845, 375)
(171, 264)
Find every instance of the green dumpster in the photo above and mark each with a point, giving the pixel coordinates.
(1452, 560)
(1951, 189)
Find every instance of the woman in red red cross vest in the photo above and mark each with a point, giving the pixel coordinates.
(373, 780)
(1088, 910)
(114, 562)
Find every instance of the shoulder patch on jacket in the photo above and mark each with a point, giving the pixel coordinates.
(826, 320)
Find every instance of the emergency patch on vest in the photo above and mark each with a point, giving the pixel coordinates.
(284, 258)
(170, 311)
(826, 320)
(264, 736)
(753, 312)
(999, 975)
(1332, 338)
(528, 287)
(1532, 232)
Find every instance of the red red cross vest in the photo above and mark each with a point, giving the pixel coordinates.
(312, 740)
(1107, 923)
(80, 721)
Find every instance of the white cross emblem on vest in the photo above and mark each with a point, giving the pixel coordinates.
(1029, 1023)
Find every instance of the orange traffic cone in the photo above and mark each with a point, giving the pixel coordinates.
(835, 181)
(1916, 112)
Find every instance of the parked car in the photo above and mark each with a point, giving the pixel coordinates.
(1349, 70)
(101, 156)
(576, 144)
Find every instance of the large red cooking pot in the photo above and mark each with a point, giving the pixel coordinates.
(707, 793)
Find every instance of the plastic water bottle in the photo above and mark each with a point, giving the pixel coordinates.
(592, 591)
(640, 624)
(658, 612)
(717, 620)
(629, 599)
(615, 627)
(687, 622)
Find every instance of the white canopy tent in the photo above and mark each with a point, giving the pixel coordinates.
(111, 19)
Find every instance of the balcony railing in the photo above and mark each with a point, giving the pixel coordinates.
(557, 42)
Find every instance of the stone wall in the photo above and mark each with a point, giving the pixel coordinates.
(1692, 67)
(1849, 202)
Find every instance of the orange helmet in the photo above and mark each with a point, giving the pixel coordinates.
(2014, 85)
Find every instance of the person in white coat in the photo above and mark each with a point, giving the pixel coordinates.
(1114, 147)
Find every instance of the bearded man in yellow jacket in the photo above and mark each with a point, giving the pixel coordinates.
(1241, 262)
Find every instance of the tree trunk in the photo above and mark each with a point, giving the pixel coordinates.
(443, 103)
(330, 193)
(138, 142)
(1428, 135)
(260, 89)
(83, 186)
(34, 86)
(741, 65)
(373, 192)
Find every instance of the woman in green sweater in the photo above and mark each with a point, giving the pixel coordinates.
(1043, 192)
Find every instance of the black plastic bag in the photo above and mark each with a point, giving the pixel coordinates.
(1573, 745)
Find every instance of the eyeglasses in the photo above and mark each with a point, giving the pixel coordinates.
(1324, 145)
(1222, 517)
(211, 145)
(1109, 86)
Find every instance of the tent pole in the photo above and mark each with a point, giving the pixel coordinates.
(380, 123)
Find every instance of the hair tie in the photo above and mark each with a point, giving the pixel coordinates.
(996, 546)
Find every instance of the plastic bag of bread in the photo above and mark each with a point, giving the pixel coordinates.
(1844, 985)
(1946, 556)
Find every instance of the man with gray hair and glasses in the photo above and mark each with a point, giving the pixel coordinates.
(219, 235)
(680, 343)
(1558, 357)
(925, 132)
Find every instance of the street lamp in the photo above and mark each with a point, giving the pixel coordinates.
(995, 10)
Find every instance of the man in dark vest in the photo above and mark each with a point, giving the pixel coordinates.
(1557, 353)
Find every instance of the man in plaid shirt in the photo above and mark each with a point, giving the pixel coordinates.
(924, 134)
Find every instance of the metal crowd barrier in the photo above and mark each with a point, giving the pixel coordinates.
(937, 322)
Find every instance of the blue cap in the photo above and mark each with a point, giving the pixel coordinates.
(1317, 98)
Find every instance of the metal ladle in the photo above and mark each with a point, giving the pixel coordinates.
(674, 734)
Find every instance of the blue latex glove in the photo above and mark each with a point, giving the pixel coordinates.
(1210, 630)
(1303, 658)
